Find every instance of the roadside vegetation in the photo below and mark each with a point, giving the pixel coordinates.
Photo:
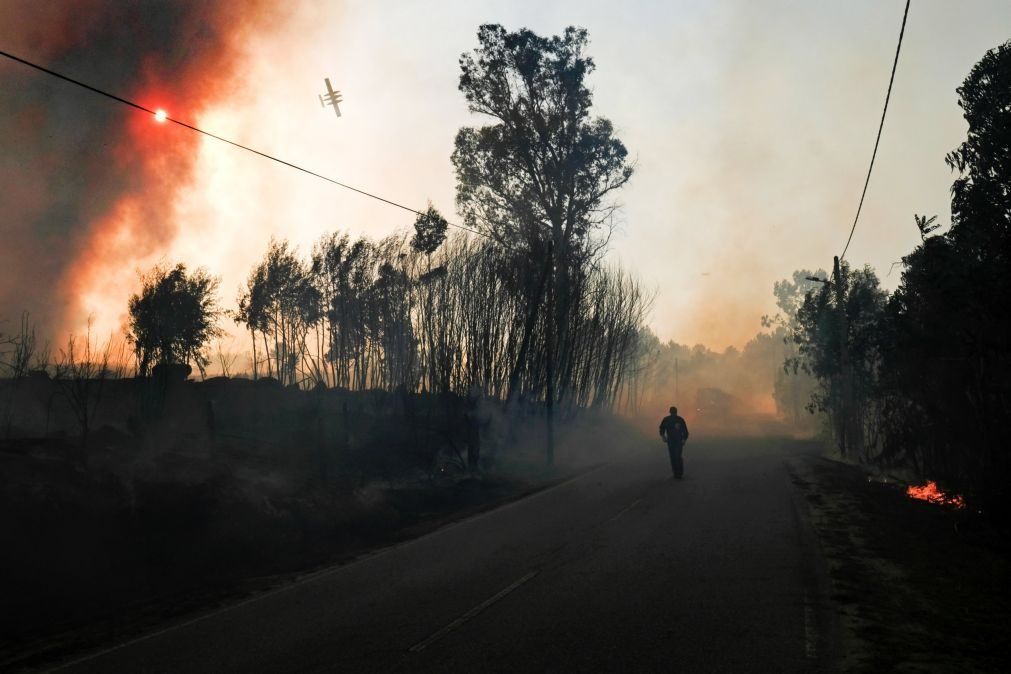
(913, 387)
(920, 379)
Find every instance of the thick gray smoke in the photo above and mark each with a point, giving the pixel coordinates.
(72, 162)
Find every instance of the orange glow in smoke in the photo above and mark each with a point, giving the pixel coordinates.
(930, 493)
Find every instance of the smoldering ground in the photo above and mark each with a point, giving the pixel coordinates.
(89, 184)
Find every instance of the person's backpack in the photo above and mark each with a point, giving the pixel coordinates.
(676, 430)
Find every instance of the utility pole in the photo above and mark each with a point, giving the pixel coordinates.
(844, 374)
(550, 394)
(677, 385)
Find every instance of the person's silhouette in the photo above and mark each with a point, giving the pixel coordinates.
(674, 431)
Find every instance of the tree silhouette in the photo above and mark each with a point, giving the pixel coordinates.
(341, 271)
(429, 231)
(280, 302)
(839, 341)
(81, 371)
(948, 362)
(981, 195)
(545, 167)
(544, 170)
(926, 225)
(173, 317)
(792, 386)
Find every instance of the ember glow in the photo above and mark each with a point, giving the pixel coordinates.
(931, 493)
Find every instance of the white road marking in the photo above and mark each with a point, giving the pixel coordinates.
(624, 510)
(469, 615)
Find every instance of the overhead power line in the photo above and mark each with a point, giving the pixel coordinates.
(881, 126)
(265, 155)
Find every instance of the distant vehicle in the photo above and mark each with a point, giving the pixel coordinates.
(331, 97)
(713, 404)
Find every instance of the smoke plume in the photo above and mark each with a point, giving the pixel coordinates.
(89, 184)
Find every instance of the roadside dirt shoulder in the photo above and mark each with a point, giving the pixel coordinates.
(914, 592)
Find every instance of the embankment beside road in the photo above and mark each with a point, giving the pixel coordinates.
(920, 586)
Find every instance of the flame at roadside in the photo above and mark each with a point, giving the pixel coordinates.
(931, 493)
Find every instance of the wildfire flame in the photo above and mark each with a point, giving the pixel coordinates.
(932, 494)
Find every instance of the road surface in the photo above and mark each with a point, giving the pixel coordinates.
(620, 569)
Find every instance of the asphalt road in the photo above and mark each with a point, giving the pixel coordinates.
(620, 569)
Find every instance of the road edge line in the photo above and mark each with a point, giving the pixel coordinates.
(471, 614)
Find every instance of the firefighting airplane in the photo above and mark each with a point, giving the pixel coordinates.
(331, 97)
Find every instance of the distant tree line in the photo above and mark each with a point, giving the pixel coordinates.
(922, 377)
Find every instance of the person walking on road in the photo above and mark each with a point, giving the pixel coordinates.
(674, 431)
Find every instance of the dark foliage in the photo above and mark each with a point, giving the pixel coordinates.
(544, 164)
(543, 171)
(173, 317)
(280, 302)
(947, 371)
(839, 343)
(924, 379)
(429, 231)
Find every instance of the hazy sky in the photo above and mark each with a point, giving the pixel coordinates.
(752, 124)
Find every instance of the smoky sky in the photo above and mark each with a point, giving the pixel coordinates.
(86, 180)
(752, 125)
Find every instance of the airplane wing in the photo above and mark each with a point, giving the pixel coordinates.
(331, 97)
